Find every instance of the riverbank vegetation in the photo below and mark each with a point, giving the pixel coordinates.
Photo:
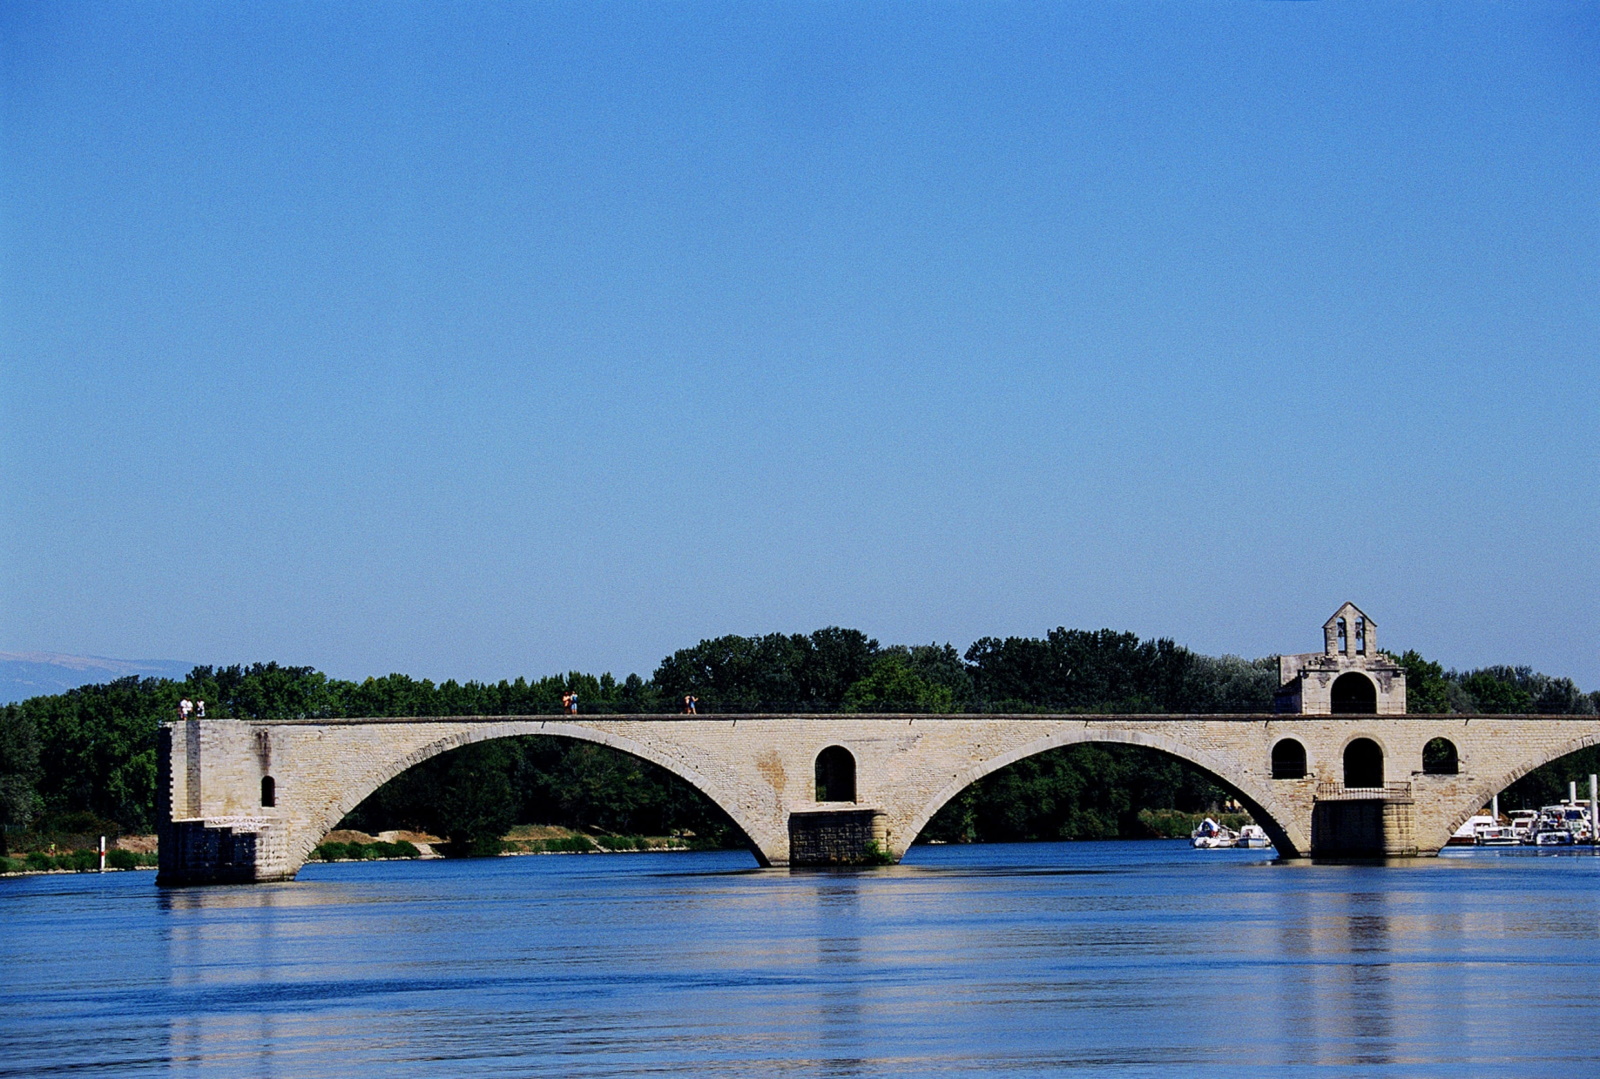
(83, 763)
(363, 852)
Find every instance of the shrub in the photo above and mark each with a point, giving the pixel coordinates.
(39, 860)
(575, 844)
(80, 861)
(357, 851)
(876, 854)
(617, 842)
(402, 849)
(332, 852)
(10, 865)
(117, 858)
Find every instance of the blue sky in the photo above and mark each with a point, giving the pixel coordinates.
(482, 340)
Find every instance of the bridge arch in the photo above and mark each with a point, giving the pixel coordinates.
(1274, 818)
(353, 793)
(1484, 790)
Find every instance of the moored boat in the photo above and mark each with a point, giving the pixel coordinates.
(1497, 835)
(1551, 830)
(1467, 834)
(1212, 836)
(1522, 821)
(1252, 836)
(1576, 818)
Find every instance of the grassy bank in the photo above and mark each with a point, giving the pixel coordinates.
(75, 861)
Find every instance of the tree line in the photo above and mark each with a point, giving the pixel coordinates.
(86, 759)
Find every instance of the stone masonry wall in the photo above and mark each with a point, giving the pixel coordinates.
(760, 769)
(837, 837)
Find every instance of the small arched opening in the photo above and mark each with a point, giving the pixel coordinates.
(1363, 764)
(269, 792)
(1439, 758)
(836, 775)
(1288, 759)
(1354, 694)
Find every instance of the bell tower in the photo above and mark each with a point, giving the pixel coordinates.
(1348, 677)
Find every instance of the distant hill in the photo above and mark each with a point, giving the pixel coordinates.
(31, 674)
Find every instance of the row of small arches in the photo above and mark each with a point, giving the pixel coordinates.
(1363, 761)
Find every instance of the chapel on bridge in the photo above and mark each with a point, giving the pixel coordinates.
(1348, 677)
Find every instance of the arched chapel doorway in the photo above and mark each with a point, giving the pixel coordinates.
(1354, 694)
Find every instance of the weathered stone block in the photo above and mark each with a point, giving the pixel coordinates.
(838, 837)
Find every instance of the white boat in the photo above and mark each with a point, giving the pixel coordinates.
(1497, 835)
(1560, 826)
(1552, 828)
(1552, 834)
(1253, 836)
(1522, 824)
(1212, 836)
(1576, 818)
(1467, 834)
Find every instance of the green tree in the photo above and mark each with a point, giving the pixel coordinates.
(19, 771)
(263, 691)
(470, 799)
(98, 748)
(1522, 690)
(776, 672)
(1214, 684)
(1499, 690)
(1427, 688)
(1080, 671)
(893, 685)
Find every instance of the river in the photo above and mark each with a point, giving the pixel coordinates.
(1120, 959)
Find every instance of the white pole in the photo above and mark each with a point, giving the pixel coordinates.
(1494, 809)
(1572, 792)
(102, 854)
(1594, 808)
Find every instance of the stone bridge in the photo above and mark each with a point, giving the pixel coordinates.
(248, 801)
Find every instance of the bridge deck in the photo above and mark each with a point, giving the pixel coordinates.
(1041, 717)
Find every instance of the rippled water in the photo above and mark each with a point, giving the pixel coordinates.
(1120, 958)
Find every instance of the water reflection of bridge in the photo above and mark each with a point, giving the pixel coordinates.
(247, 801)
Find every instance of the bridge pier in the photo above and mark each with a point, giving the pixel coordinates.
(856, 836)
